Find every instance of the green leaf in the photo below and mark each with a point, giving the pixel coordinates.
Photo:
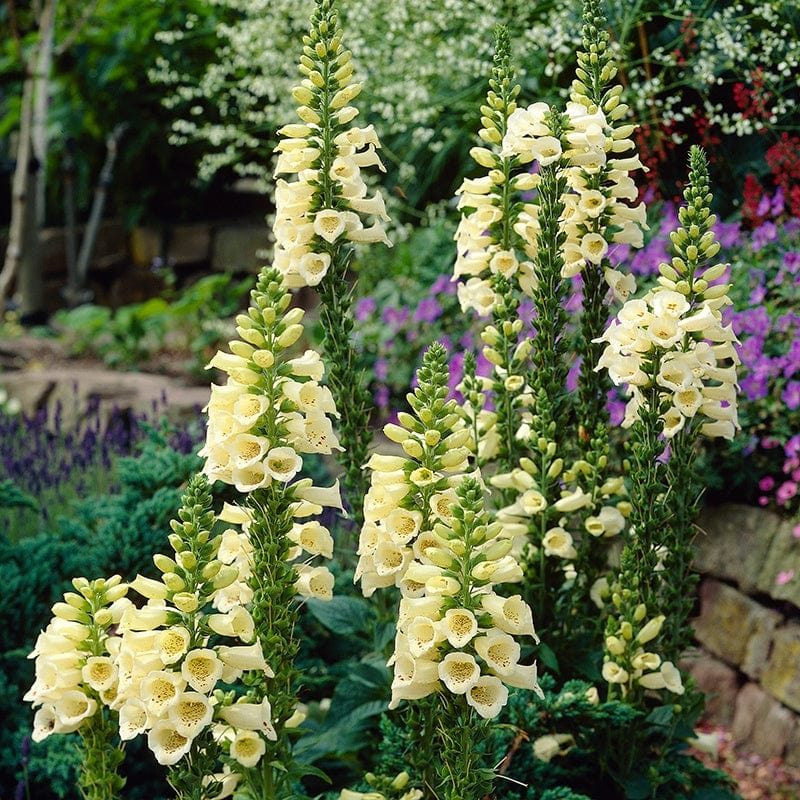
(662, 716)
(546, 655)
(342, 615)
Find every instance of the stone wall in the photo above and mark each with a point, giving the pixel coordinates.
(126, 265)
(748, 627)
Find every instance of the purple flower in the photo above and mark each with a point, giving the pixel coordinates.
(778, 204)
(785, 492)
(428, 310)
(572, 375)
(767, 483)
(395, 318)
(456, 374)
(757, 295)
(381, 369)
(754, 387)
(381, 396)
(791, 395)
(762, 236)
(727, 233)
(365, 308)
(791, 262)
(443, 285)
(792, 447)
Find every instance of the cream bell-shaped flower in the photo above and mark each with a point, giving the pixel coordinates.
(167, 744)
(190, 714)
(71, 708)
(422, 635)
(459, 626)
(133, 719)
(247, 748)
(236, 623)
(488, 695)
(315, 582)
(459, 672)
(202, 668)
(160, 689)
(172, 644)
(250, 717)
(510, 614)
(100, 673)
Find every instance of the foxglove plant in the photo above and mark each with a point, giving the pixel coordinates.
(679, 362)
(76, 680)
(175, 655)
(426, 531)
(489, 251)
(321, 213)
(272, 410)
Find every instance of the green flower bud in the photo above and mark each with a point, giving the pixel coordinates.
(187, 559)
(103, 617)
(164, 563)
(173, 581)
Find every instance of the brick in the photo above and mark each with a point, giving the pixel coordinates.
(758, 646)
(781, 676)
(719, 683)
(189, 244)
(238, 248)
(761, 723)
(733, 542)
(146, 244)
(727, 621)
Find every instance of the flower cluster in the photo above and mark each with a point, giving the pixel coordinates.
(272, 410)
(75, 669)
(453, 630)
(175, 653)
(409, 493)
(627, 662)
(325, 204)
(602, 510)
(589, 150)
(672, 344)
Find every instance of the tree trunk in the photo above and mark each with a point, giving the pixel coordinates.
(23, 257)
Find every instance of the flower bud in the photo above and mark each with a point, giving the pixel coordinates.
(103, 617)
(187, 559)
(164, 563)
(186, 602)
(76, 601)
(211, 570)
(412, 448)
(651, 629)
(67, 612)
(173, 582)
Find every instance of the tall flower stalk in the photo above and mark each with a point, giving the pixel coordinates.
(320, 215)
(178, 651)
(76, 680)
(271, 411)
(428, 533)
(679, 363)
(490, 254)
